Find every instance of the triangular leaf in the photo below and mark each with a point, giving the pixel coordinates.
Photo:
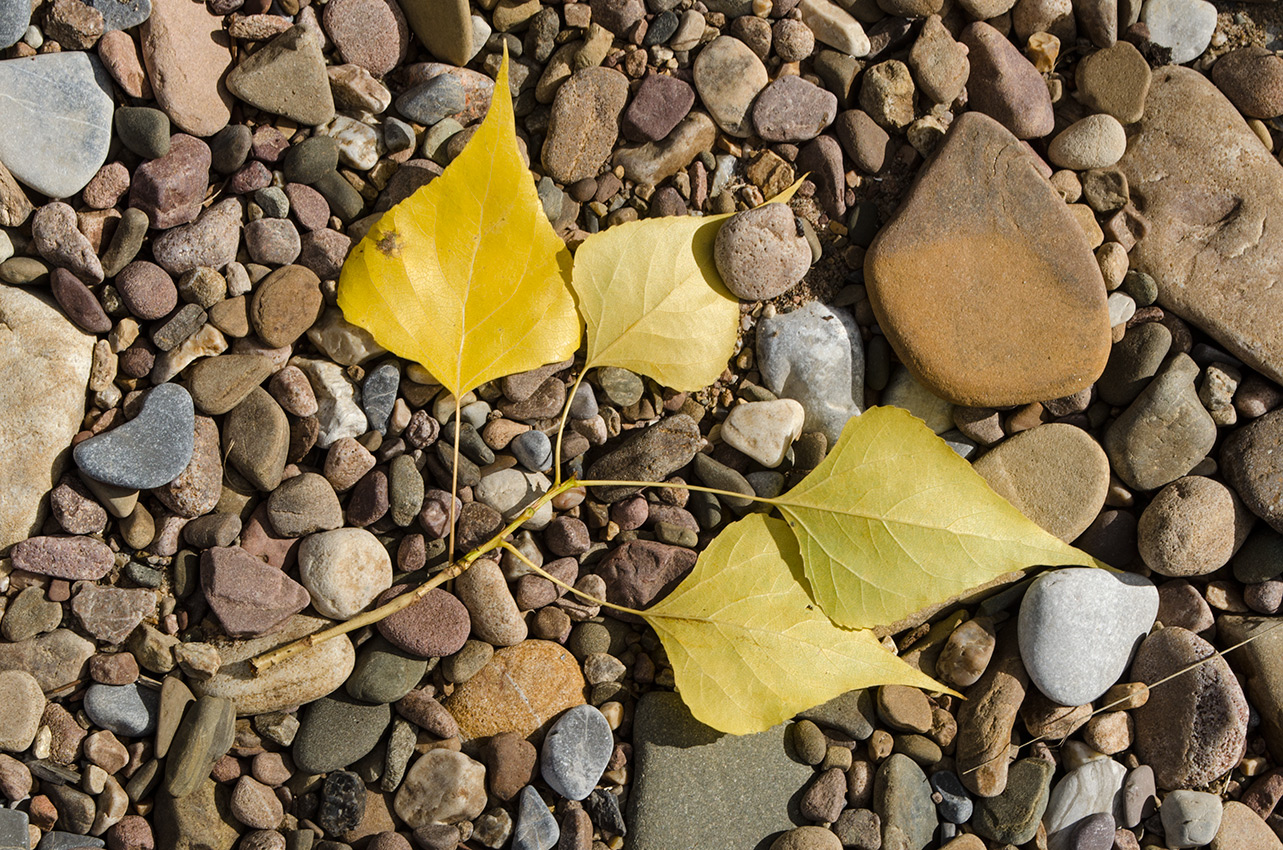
(893, 520)
(653, 301)
(466, 276)
(749, 647)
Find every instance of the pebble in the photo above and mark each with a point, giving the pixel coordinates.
(1190, 818)
(1242, 829)
(54, 234)
(72, 558)
(902, 797)
(1185, 26)
(813, 355)
(57, 147)
(14, 18)
(790, 109)
(256, 440)
(518, 690)
(1251, 464)
(584, 123)
(1133, 362)
(249, 598)
(441, 787)
(344, 570)
(212, 240)
(652, 454)
(30, 614)
(728, 77)
(764, 430)
(1090, 789)
(148, 292)
(383, 673)
(939, 63)
(186, 56)
(372, 34)
(1013, 816)
(1192, 735)
(284, 305)
(833, 26)
(657, 106)
(1192, 527)
(109, 614)
(336, 731)
(986, 719)
(575, 752)
(205, 733)
(435, 626)
(760, 253)
(536, 828)
(25, 704)
(1252, 78)
(1097, 141)
(128, 710)
(146, 132)
(1005, 85)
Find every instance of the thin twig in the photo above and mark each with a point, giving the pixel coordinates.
(552, 578)
(561, 426)
(671, 486)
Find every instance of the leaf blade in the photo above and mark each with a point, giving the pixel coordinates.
(893, 520)
(749, 647)
(466, 276)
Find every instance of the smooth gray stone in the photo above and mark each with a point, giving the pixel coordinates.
(57, 120)
(15, 17)
(533, 450)
(903, 797)
(576, 751)
(337, 731)
(815, 357)
(685, 770)
(378, 395)
(151, 449)
(121, 14)
(850, 713)
(128, 710)
(13, 830)
(57, 840)
(536, 827)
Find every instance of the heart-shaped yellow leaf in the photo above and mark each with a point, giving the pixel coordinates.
(466, 276)
(749, 647)
(893, 520)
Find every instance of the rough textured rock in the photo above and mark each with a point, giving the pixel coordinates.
(936, 277)
(1208, 189)
(519, 690)
(45, 357)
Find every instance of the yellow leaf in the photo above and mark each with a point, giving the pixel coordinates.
(893, 520)
(653, 301)
(749, 647)
(466, 276)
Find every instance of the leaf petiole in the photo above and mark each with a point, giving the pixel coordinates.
(517, 553)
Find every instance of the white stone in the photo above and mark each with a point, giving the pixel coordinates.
(904, 391)
(1094, 788)
(359, 144)
(45, 361)
(510, 491)
(834, 27)
(206, 342)
(339, 412)
(6, 246)
(764, 430)
(342, 341)
(1079, 627)
(1121, 308)
(344, 570)
(1186, 26)
(1097, 141)
(441, 787)
(1190, 818)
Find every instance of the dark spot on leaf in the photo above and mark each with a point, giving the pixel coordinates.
(389, 244)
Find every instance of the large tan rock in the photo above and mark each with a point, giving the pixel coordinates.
(45, 360)
(187, 54)
(1210, 192)
(519, 690)
(983, 282)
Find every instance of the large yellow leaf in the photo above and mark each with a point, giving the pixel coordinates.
(893, 520)
(466, 276)
(653, 301)
(749, 647)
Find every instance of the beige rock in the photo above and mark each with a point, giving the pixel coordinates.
(441, 787)
(307, 676)
(987, 717)
(1056, 474)
(1209, 190)
(653, 162)
(46, 362)
(519, 690)
(186, 54)
(444, 27)
(1242, 829)
(1001, 302)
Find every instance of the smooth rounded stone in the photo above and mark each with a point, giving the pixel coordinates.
(902, 797)
(1252, 78)
(728, 77)
(272, 241)
(218, 384)
(814, 355)
(342, 806)
(791, 109)
(764, 430)
(59, 121)
(963, 359)
(1078, 628)
(1192, 527)
(1184, 26)
(467, 662)
(371, 34)
(939, 63)
(651, 454)
(966, 653)
(47, 363)
(127, 710)
(78, 302)
(284, 305)
(30, 614)
(24, 705)
(1173, 157)
(833, 26)
(761, 253)
(204, 735)
(575, 752)
(1115, 81)
(433, 100)
(583, 126)
(14, 19)
(1012, 817)
(383, 673)
(186, 53)
(1097, 141)
(1253, 465)
(303, 505)
(344, 570)
(56, 659)
(886, 94)
(200, 820)
(1056, 474)
(1165, 432)
(209, 241)
(249, 598)
(1090, 789)
(256, 439)
(657, 106)
(110, 614)
(1193, 734)
(533, 450)
(441, 787)
(807, 838)
(1004, 85)
(1242, 829)
(987, 717)
(148, 292)
(437, 625)
(198, 487)
(1133, 362)
(342, 341)
(1190, 818)
(495, 616)
(519, 690)
(255, 805)
(286, 77)
(316, 671)
(336, 731)
(536, 828)
(824, 799)
(71, 558)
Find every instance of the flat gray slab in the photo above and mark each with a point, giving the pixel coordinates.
(695, 787)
